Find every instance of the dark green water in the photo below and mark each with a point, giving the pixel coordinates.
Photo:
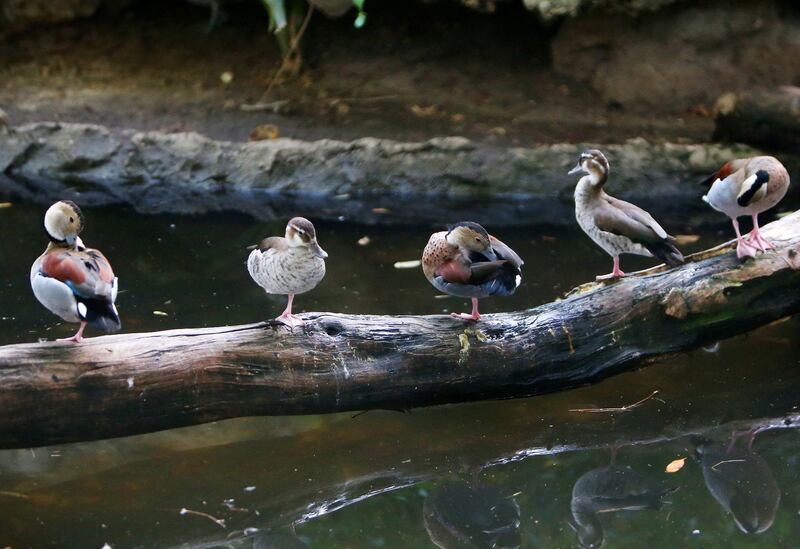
(387, 479)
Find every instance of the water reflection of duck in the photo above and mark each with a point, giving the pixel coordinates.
(741, 482)
(609, 489)
(464, 516)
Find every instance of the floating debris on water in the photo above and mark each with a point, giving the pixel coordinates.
(160, 313)
(410, 264)
(364, 240)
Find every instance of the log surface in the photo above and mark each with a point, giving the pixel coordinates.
(133, 383)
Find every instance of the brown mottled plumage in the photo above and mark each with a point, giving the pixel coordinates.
(466, 261)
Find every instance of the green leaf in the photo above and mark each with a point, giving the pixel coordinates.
(360, 20)
(277, 14)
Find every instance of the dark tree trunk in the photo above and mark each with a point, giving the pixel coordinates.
(764, 119)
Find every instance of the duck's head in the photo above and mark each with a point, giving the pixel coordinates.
(593, 163)
(300, 233)
(63, 221)
(470, 236)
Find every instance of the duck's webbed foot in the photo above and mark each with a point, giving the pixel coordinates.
(474, 316)
(292, 321)
(77, 338)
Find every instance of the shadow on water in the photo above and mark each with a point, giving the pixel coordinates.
(505, 473)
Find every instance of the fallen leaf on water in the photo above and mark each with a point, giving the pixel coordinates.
(380, 210)
(5, 205)
(686, 239)
(160, 313)
(675, 465)
(422, 112)
(411, 264)
(263, 132)
(364, 240)
(226, 77)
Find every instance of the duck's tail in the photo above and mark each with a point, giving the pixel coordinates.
(666, 251)
(101, 313)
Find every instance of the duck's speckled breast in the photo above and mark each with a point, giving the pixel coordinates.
(291, 271)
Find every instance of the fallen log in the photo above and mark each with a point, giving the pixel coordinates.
(763, 119)
(133, 383)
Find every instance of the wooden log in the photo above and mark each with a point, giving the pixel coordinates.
(133, 383)
(764, 119)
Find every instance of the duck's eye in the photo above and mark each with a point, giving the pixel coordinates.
(477, 239)
(71, 220)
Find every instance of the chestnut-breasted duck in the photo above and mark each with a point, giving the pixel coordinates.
(288, 265)
(72, 281)
(617, 226)
(466, 261)
(747, 186)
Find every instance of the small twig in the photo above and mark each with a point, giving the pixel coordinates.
(219, 522)
(292, 49)
(569, 339)
(14, 494)
(626, 408)
(727, 461)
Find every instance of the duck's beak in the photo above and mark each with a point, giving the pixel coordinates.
(577, 169)
(317, 251)
(71, 240)
(489, 253)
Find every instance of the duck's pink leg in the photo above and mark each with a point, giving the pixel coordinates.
(743, 249)
(616, 273)
(475, 316)
(755, 237)
(287, 317)
(77, 338)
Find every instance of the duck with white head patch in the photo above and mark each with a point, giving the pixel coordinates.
(72, 281)
(747, 186)
(288, 265)
(617, 226)
(466, 261)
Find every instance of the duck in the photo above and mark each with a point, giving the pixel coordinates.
(618, 227)
(466, 261)
(747, 186)
(458, 514)
(288, 265)
(741, 481)
(610, 489)
(72, 281)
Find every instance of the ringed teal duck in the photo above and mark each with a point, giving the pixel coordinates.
(747, 186)
(288, 265)
(70, 280)
(466, 261)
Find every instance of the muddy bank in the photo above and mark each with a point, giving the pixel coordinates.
(367, 180)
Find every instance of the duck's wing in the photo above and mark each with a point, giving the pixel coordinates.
(86, 272)
(625, 219)
(277, 243)
(88, 275)
(504, 251)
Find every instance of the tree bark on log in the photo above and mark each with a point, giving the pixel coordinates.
(133, 383)
(764, 119)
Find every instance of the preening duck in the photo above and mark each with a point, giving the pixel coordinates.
(288, 265)
(72, 281)
(466, 261)
(617, 226)
(747, 186)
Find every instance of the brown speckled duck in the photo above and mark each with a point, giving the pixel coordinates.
(747, 186)
(617, 226)
(288, 265)
(466, 261)
(72, 281)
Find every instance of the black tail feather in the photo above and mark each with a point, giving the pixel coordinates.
(103, 314)
(666, 252)
(504, 282)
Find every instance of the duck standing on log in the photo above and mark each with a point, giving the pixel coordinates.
(617, 226)
(466, 261)
(72, 281)
(747, 186)
(288, 265)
